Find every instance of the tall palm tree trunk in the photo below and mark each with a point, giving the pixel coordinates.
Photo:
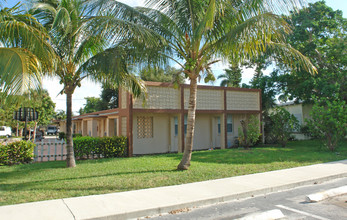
(34, 133)
(187, 155)
(70, 158)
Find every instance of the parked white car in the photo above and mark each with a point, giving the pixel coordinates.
(5, 131)
(52, 130)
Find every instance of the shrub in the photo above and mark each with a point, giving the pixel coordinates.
(283, 124)
(62, 135)
(329, 121)
(106, 147)
(250, 132)
(76, 135)
(16, 152)
(85, 146)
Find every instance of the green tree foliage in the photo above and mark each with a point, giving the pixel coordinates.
(269, 91)
(319, 33)
(328, 121)
(109, 97)
(86, 37)
(249, 133)
(6, 115)
(25, 54)
(93, 104)
(232, 76)
(259, 63)
(60, 115)
(108, 100)
(158, 74)
(36, 99)
(199, 33)
(43, 104)
(283, 124)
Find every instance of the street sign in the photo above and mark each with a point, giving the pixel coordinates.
(25, 114)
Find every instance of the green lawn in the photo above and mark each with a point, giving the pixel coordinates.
(51, 180)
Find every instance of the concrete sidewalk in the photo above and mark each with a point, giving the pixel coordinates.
(153, 201)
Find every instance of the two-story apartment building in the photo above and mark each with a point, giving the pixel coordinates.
(159, 124)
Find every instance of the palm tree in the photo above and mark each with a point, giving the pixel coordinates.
(232, 76)
(25, 54)
(86, 37)
(201, 33)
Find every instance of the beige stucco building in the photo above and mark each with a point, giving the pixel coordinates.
(158, 125)
(301, 112)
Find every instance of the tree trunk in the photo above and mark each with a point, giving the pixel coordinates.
(17, 128)
(34, 133)
(70, 158)
(28, 132)
(185, 162)
(245, 134)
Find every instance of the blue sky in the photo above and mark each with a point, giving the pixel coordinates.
(91, 89)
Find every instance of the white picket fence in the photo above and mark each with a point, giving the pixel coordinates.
(50, 150)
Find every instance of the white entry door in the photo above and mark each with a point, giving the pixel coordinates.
(216, 131)
(174, 134)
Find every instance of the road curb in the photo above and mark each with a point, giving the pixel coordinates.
(317, 197)
(166, 209)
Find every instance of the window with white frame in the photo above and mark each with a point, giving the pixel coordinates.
(218, 124)
(176, 125)
(229, 124)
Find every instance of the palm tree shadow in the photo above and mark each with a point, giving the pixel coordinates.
(30, 184)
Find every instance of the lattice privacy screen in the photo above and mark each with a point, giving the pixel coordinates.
(144, 127)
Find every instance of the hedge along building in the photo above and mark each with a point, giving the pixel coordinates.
(159, 124)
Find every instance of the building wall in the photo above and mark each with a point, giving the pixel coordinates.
(306, 110)
(78, 126)
(84, 128)
(236, 118)
(175, 138)
(202, 132)
(160, 98)
(164, 140)
(92, 127)
(301, 112)
(123, 99)
(207, 99)
(295, 110)
(112, 129)
(62, 126)
(242, 100)
(123, 126)
(102, 127)
(163, 97)
(160, 141)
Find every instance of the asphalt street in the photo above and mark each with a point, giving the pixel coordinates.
(290, 202)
